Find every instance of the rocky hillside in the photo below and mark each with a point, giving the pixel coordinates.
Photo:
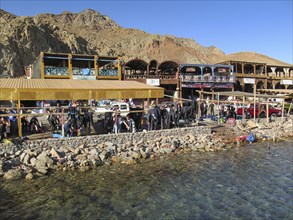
(88, 32)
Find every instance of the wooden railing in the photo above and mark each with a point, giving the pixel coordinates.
(56, 71)
(217, 79)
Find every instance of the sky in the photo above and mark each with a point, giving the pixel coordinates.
(263, 26)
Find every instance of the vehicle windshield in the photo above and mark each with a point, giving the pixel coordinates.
(123, 107)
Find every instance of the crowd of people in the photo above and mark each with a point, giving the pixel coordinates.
(8, 124)
(79, 119)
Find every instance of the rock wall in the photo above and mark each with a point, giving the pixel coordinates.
(38, 157)
(33, 158)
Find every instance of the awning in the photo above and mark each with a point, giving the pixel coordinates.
(66, 89)
(246, 94)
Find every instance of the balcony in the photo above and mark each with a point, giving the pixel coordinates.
(136, 76)
(83, 71)
(108, 73)
(168, 77)
(215, 79)
(143, 76)
(56, 71)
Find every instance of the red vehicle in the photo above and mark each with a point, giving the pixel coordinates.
(273, 112)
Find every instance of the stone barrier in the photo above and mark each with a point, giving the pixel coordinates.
(32, 158)
(37, 157)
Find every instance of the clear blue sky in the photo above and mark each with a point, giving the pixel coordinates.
(233, 26)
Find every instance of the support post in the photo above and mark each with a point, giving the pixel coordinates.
(267, 110)
(19, 118)
(218, 107)
(254, 100)
(119, 69)
(70, 69)
(243, 108)
(116, 122)
(62, 121)
(283, 104)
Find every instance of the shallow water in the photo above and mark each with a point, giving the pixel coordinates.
(242, 183)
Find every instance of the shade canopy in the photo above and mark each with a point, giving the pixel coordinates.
(245, 94)
(66, 89)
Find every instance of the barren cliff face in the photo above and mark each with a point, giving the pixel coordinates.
(88, 32)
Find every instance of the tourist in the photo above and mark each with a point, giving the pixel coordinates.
(222, 113)
(58, 109)
(250, 138)
(53, 120)
(90, 116)
(25, 123)
(117, 121)
(7, 126)
(68, 128)
(13, 122)
(34, 125)
(2, 129)
(211, 107)
(130, 124)
(262, 112)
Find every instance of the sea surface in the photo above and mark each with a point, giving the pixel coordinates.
(251, 182)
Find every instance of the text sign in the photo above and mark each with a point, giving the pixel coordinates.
(81, 77)
(249, 80)
(287, 82)
(153, 82)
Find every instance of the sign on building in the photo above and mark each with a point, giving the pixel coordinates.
(153, 82)
(286, 82)
(249, 80)
(82, 77)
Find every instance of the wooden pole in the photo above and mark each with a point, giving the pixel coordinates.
(116, 123)
(19, 118)
(218, 107)
(254, 101)
(283, 104)
(243, 108)
(259, 107)
(289, 109)
(62, 122)
(267, 110)
(198, 106)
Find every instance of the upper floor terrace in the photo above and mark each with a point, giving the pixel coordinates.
(76, 66)
(260, 70)
(197, 75)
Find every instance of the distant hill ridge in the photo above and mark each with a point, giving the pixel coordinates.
(22, 39)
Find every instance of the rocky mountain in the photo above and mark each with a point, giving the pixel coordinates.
(22, 39)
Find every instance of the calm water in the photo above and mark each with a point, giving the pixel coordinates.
(244, 183)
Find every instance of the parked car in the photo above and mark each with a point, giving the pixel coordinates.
(273, 112)
(123, 107)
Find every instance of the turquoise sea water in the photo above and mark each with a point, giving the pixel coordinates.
(243, 183)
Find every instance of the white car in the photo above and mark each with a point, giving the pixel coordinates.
(120, 106)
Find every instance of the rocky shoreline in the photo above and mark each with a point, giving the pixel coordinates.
(34, 158)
